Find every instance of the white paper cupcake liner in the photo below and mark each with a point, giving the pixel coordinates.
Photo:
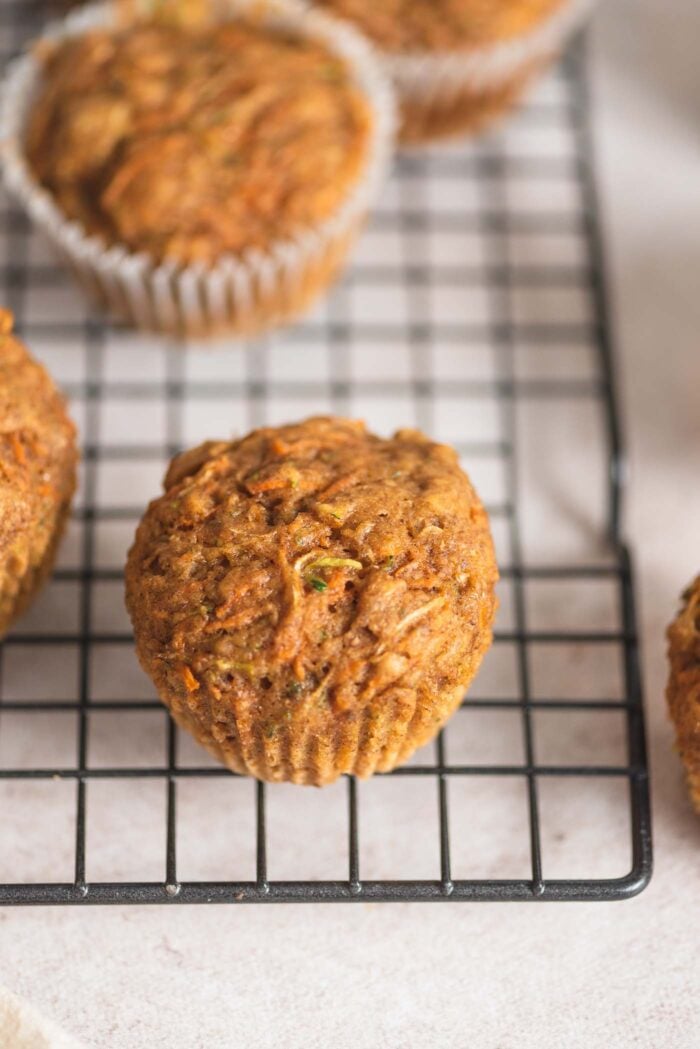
(430, 80)
(247, 293)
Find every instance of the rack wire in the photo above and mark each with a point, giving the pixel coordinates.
(476, 309)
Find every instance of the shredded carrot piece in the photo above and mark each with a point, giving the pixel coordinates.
(32, 441)
(338, 486)
(278, 446)
(18, 449)
(286, 478)
(191, 683)
(267, 484)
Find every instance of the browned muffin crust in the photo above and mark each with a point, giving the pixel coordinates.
(313, 600)
(683, 692)
(442, 25)
(37, 473)
(191, 142)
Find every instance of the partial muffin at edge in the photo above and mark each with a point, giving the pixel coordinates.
(415, 26)
(38, 459)
(683, 691)
(460, 65)
(313, 600)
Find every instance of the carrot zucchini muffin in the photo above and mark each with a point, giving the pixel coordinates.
(313, 600)
(442, 25)
(190, 147)
(684, 686)
(225, 161)
(37, 473)
(458, 64)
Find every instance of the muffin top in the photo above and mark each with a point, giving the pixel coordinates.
(189, 142)
(441, 25)
(37, 451)
(307, 570)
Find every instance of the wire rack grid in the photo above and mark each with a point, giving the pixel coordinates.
(475, 309)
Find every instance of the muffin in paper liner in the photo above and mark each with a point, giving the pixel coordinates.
(444, 93)
(243, 293)
(312, 600)
(683, 690)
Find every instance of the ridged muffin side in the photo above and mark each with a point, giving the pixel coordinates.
(313, 600)
(459, 65)
(433, 116)
(38, 459)
(683, 691)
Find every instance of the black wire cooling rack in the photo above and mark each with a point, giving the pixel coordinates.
(475, 308)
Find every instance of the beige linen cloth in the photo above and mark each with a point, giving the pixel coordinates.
(21, 1027)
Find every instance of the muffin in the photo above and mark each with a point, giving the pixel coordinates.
(459, 64)
(683, 692)
(37, 473)
(200, 173)
(313, 600)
